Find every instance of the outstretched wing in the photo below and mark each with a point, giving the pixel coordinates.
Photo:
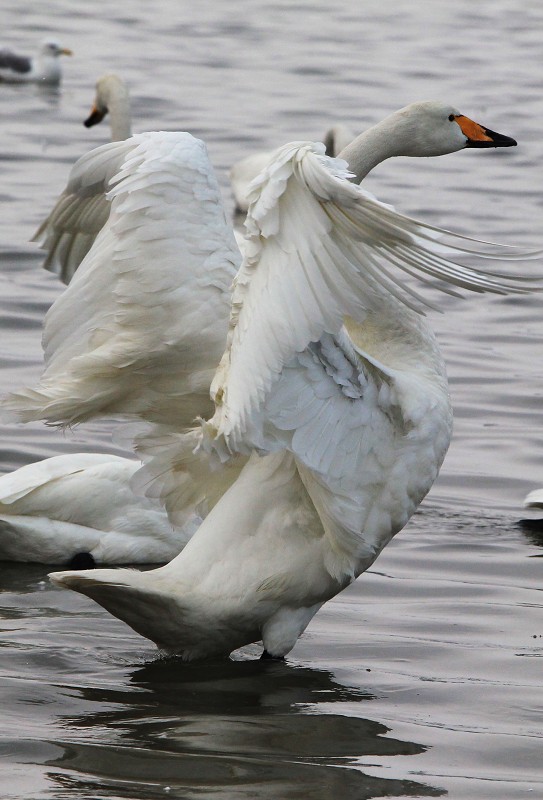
(320, 248)
(142, 325)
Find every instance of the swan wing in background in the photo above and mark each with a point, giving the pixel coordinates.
(82, 504)
(142, 325)
(81, 211)
(18, 484)
(79, 214)
(243, 173)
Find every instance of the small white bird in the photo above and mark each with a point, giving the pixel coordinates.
(44, 67)
(68, 232)
(243, 173)
(79, 509)
(332, 407)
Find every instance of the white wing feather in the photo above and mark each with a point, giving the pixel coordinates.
(68, 232)
(368, 438)
(367, 448)
(319, 248)
(141, 327)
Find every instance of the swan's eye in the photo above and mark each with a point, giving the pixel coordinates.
(451, 117)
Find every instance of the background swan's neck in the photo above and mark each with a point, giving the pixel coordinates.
(119, 116)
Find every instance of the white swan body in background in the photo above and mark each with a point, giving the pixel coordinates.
(142, 325)
(82, 210)
(332, 407)
(534, 499)
(44, 67)
(245, 171)
(82, 504)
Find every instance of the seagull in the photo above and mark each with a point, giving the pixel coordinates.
(44, 67)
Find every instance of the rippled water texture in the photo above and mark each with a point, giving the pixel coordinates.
(424, 678)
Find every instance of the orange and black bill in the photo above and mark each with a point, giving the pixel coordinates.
(94, 117)
(478, 136)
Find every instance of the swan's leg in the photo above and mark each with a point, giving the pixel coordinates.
(268, 657)
(280, 633)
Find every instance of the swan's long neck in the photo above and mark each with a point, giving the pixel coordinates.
(386, 139)
(119, 116)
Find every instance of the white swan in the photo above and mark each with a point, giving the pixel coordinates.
(44, 67)
(68, 232)
(79, 508)
(332, 383)
(245, 171)
(534, 499)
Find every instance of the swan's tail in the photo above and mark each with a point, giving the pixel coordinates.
(130, 595)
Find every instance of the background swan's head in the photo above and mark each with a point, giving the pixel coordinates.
(432, 128)
(111, 91)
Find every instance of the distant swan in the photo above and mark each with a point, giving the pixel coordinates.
(44, 67)
(534, 499)
(113, 99)
(81, 211)
(245, 171)
(80, 506)
(332, 407)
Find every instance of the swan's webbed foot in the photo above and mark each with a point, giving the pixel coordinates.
(268, 657)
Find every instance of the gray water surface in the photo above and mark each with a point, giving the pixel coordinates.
(424, 678)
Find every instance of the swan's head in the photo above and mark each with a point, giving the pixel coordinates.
(53, 50)
(432, 128)
(107, 87)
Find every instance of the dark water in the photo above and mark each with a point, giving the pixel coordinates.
(424, 678)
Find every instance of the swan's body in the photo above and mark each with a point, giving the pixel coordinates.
(44, 67)
(141, 327)
(332, 410)
(243, 173)
(82, 503)
(534, 499)
(68, 232)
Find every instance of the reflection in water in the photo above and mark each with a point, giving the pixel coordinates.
(533, 530)
(225, 729)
